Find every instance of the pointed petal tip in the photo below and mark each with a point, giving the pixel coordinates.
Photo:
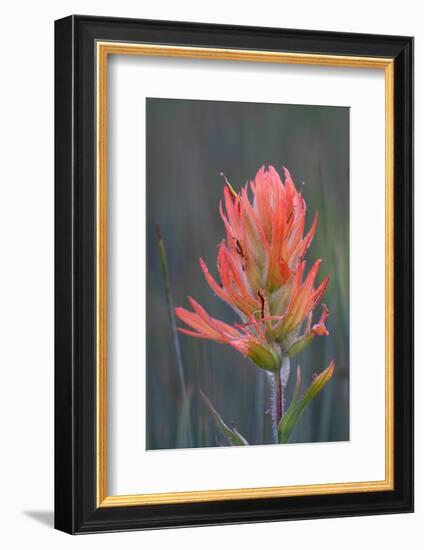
(182, 314)
(194, 303)
(331, 367)
(320, 330)
(203, 266)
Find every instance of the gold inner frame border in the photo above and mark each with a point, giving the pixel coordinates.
(103, 50)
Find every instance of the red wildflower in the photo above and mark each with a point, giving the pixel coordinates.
(261, 269)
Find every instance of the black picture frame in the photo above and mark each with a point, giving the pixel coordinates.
(76, 509)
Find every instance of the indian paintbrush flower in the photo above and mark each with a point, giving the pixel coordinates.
(262, 271)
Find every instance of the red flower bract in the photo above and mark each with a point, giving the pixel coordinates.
(262, 275)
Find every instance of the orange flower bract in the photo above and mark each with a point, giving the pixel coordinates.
(262, 271)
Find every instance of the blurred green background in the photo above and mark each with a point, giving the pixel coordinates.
(189, 143)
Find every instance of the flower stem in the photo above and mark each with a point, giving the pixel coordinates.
(278, 397)
(279, 381)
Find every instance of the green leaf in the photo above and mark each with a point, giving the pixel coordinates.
(297, 386)
(299, 345)
(233, 436)
(297, 406)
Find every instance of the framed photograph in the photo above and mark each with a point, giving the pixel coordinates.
(234, 274)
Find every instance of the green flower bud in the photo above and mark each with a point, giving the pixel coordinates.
(264, 357)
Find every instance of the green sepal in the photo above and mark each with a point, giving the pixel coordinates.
(232, 435)
(297, 406)
(300, 345)
(264, 357)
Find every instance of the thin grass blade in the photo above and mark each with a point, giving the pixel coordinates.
(180, 368)
(232, 435)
